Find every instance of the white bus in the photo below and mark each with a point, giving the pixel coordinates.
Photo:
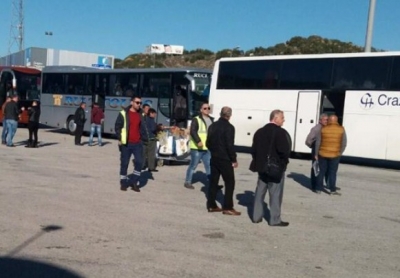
(362, 89)
(65, 87)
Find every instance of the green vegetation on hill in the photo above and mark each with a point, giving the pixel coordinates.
(204, 58)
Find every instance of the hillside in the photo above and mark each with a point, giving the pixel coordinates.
(203, 58)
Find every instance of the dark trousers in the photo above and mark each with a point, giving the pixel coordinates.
(328, 166)
(78, 134)
(33, 128)
(221, 167)
(149, 154)
(126, 152)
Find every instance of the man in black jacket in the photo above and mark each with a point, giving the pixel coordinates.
(11, 116)
(33, 124)
(220, 142)
(271, 140)
(80, 119)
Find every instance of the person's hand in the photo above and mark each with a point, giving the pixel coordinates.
(200, 144)
(119, 143)
(22, 108)
(316, 157)
(235, 164)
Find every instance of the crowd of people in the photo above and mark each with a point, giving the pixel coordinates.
(212, 143)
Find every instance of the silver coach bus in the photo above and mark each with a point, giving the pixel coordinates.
(65, 87)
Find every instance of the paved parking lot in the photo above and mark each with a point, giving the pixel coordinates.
(61, 207)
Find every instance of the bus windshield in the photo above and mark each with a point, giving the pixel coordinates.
(199, 93)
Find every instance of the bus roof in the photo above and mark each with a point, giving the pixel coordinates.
(21, 69)
(78, 69)
(313, 56)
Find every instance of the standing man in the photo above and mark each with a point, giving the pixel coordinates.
(273, 141)
(310, 142)
(220, 142)
(11, 116)
(329, 147)
(145, 109)
(4, 131)
(33, 125)
(197, 144)
(80, 119)
(127, 129)
(149, 130)
(96, 119)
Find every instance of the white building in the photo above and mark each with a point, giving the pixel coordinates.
(41, 57)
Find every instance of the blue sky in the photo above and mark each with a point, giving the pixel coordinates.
(124, 27)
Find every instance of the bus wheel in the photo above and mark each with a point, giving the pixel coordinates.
(160, 162)
(71, 126)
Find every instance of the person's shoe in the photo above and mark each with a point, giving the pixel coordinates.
(3, 142)
(135, 188)
(29, 146)
(100, 145)
(79, 144)
(90, 144)
(215, 209)
(231, 212)
(219, 187)
(335, 193)
(155, 170)
(337, 188)
(11, 146)
(188, 185)
(124, 184)
(317, 191)
(281, 224)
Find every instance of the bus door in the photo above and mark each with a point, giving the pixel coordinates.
(98, 86)
(306, 118)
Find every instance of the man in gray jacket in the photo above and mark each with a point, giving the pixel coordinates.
(310, 142)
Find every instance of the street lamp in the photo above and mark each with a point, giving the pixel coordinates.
(49, 34)
(370, 25)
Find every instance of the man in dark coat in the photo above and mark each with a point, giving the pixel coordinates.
(275, 136)
(220, 142)
(80, 119)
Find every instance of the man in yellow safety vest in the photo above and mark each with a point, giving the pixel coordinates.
(197, 144)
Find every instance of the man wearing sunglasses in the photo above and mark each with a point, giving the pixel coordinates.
(127, 129)
(197, 144)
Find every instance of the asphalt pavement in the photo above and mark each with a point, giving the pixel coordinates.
(63, 215)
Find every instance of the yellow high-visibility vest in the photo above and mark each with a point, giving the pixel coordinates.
(123, 130)
(202, 132)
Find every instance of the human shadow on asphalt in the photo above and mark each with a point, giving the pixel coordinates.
(25, 268)
(301, 179)
(144, 178)
(200, 177)
(246, 199)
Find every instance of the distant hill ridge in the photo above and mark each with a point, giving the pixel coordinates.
(204, 58)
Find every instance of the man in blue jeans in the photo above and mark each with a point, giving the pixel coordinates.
(330, 145)
(197, 144)
(127, 129)
(4, 132)
(97, 118)
(11, 116)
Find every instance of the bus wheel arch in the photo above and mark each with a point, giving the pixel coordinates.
(71, 126)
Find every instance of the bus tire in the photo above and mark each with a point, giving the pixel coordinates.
(71, 126)
(160, 162)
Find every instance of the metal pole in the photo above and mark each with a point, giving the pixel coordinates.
(371, 14)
